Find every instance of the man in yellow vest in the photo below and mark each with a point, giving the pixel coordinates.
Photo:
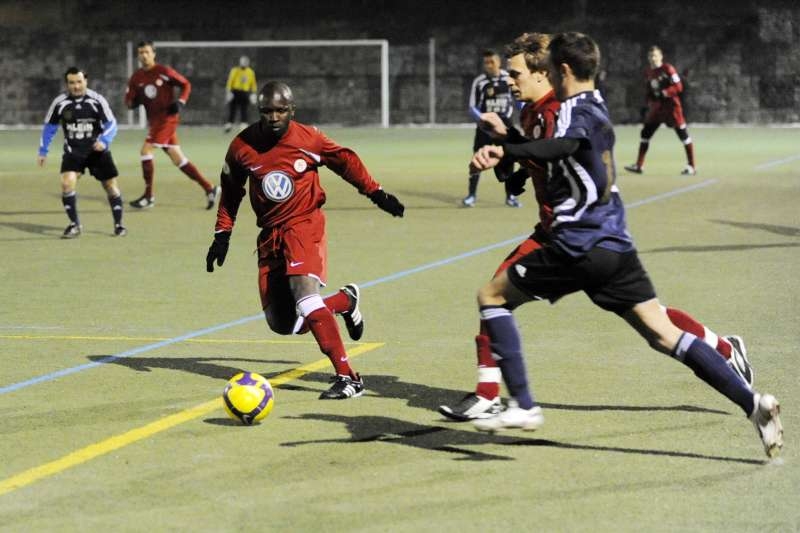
(241, 92)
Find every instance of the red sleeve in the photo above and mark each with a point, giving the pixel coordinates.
(676, 85)
(344, 162)
(550, 117)
(179, 81)
(232, 179)
(130, 94)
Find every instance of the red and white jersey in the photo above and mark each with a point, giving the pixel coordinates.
(284, 182)
(539, 121)
(155, 90)
(663, 84)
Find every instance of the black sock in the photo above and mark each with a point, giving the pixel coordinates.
(70, 201)
(473, 184)
(116, 209)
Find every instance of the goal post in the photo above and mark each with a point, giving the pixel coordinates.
(382, 44)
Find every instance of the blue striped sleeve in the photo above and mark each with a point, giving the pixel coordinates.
(48, 132)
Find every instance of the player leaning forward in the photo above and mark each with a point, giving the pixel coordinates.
(591, 251)
(89, 127)
(279, 157)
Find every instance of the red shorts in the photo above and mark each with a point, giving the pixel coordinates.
(163, 133)
(527, 246)
(668, 112)
(295, 248)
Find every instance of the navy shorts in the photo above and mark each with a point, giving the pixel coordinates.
(100, 164)
(613, 281)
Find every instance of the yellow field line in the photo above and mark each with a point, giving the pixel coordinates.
(152, 339)
(116, 442)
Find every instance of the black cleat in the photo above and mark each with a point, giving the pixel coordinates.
(211, 196)
(120, 231)
(344, 387)
(143, 202)
(636, 169)
(73, 231)
(352, 318)
(472, 407)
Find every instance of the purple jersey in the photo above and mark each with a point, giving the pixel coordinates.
(587, 207)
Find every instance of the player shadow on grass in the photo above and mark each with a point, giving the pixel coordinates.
(202, 366)
(30, 227)
(429, 397)
(785, 231)
(444, 439)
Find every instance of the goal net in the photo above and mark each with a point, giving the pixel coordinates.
(334, 81)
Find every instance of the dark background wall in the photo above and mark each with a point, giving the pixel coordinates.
(741, 59)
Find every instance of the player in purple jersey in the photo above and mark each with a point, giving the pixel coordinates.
(591, 251)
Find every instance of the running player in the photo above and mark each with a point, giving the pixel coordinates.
(527, 68)
(490, 93)
(153, 86)
(591, 251)
(279, 158)
(664, 87)
(89, 127)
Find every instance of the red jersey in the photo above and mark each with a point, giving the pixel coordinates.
(538, 121)
(284, 183)
(663, 85)
(155, 90)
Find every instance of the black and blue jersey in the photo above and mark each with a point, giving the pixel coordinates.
(84, 119)
(587, 207)
(491, 94)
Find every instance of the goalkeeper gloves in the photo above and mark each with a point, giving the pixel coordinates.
(175, 107)
(387, 202)
(218, 250)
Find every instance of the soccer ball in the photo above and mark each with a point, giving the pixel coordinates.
(248, 397)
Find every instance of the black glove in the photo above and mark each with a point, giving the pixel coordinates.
(218, 250)
(387, 202)
(515, 184)
(175, 107)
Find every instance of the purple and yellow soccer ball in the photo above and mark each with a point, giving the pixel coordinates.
(248, 398)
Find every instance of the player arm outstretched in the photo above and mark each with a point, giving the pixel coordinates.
(345, 163)
(540, 150)
(233, 180)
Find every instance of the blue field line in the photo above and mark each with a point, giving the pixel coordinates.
(385, 279)
(777, 162)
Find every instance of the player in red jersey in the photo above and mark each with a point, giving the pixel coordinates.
(279, 157)
(153, 86)
(527, 68)
(663, 106)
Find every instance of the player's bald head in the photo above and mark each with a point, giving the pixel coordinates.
(276, 92)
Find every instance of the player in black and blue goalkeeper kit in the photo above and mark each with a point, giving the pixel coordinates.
(590, 251)
(490, 93)
(89, 127)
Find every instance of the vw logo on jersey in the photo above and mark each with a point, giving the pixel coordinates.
(150, 91)
(277, 186)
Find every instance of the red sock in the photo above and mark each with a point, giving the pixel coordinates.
(643, 146)
(689, 153)
(323, 326)
(488, 372)
(686, 322)
(190, 170)
(147, 173)
(338, 303)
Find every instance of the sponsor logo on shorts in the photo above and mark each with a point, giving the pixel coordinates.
(277, 186)
(521, 270)
(150, 91)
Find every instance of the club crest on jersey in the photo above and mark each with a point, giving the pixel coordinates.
(537, 131)
(159, 82)
(150, 91)
(300, 165)
(277, 186)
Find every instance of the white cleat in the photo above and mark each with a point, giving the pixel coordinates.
(767, 422)
(468, 201)
(688, 170)
(513, 417)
